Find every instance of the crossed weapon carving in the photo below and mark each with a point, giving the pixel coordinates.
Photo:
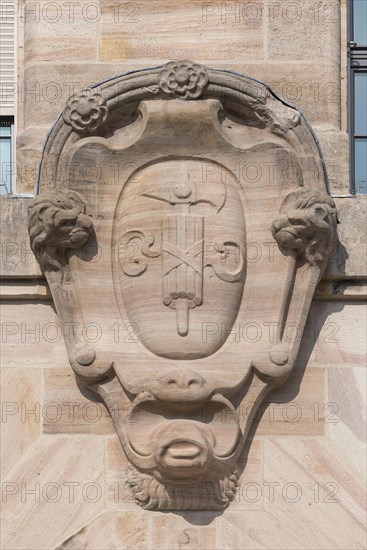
(182, 251)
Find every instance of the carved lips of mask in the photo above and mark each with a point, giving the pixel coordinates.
(183, 451)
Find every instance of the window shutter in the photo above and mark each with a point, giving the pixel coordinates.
(8, 19)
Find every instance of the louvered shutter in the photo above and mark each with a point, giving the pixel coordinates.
(8, 20)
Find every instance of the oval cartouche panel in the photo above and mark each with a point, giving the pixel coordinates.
(180, 230)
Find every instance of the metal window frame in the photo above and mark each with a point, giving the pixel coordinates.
(9, 15)
(8, 121)
(357, 62)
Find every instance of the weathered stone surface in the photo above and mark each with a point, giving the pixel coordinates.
(349, 257)
(17, 258)
(251, 466)
(115, 531)
(120, 494)
(297, 30)
(50, 86)
(58, 474)
(335, 149)
(21, 398)
(347, 423)
(194, 531)
(259, 530)
(29, 150)
(67, 410)
(290, 411)
(335, 335)
(31, 336)
(55, 28)
(317, 98)
(315, 481)
(131, 31)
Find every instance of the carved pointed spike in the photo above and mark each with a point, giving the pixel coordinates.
(182, 316)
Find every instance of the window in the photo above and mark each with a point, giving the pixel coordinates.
(7, 57)
(7, 94)
(357, 70)
(6, 154)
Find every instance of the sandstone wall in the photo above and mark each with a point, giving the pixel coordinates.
(63, 468)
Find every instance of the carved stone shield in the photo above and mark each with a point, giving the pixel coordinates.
(182, 254)
(181, 208)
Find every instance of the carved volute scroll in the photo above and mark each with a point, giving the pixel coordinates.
(155, 189)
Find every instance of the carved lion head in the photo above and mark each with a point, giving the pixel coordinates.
(306, 225)
(57, 223)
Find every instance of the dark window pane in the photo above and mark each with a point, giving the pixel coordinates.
(360, 22)
(360, 165)
(360, 103)
(5, 166)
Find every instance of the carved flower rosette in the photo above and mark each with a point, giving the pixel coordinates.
(86, 111)
(183, 79)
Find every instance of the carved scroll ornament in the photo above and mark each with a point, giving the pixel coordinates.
(166, 243)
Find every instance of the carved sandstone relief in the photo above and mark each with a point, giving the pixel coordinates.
(180, 226)
(155, 188)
